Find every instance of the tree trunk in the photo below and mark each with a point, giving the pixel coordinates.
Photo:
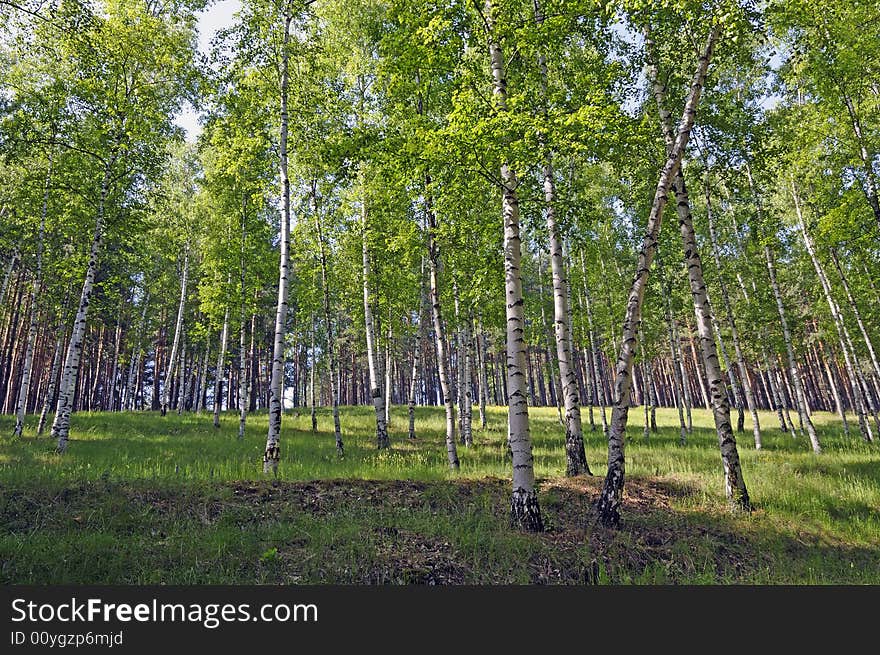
(178, 330)
(331, 341)
(313, 361)
(678, 383)
(439, 328)
(182, 377)
(855, 309)
(370, 329)
(21, 407)
(464, 375)
(734, 484)
(799, 398)
(867, 158)
(53, 380)
(612, 489)
(67, 387)
(117, 345)
(835, 314)
(220, 371)
(525, 511)
(272, 453)
(598, 388)
(731, 321)
(832, 381)
(575, 456)
(481, 362)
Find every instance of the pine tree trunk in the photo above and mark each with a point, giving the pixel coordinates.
(612, 489)
(21, 407)
(272, 453)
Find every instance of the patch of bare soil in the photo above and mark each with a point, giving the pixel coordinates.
(572, 550)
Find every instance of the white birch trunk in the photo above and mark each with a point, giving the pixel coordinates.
(370, 329)
(136, 354)
(612, 490)
(575, 456)
(312, 405)
(598, 391)
(799, 398)
(331, 342)
(8, 275)
(67, 386)
(182, 376)
(178, 331)
(272, 453)
(484, 387)
(202, 383)
(439, 329)
(731, 321)
(417, 353)
(53, 379)
(242, 336)
(242, 378)
(220, 371)
(855, 309)
(525, 511)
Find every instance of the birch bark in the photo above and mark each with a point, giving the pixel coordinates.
(524, 509)
(272, 453)
(612, 490)
(67, 386)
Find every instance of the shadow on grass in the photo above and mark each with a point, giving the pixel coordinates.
(397, 532)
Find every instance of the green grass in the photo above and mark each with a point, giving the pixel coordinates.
(143, 499)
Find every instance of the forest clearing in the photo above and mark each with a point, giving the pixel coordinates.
(181, 503)
(439, 292)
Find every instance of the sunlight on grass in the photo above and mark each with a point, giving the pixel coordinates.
(833, 498)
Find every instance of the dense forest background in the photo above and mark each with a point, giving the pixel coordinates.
(451, 203)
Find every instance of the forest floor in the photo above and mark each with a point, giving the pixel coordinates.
(141, 499)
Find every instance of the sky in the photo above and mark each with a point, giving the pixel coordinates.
(218, 16)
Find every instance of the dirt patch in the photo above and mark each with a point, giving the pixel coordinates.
(408, 532)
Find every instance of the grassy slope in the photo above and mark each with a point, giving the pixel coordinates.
(142, 499)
